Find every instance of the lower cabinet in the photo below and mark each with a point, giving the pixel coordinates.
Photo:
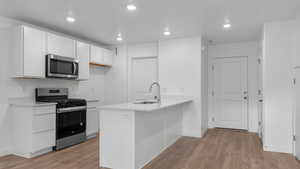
(33, 131)
(92, 127)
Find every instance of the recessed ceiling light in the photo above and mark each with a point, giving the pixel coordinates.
(167, 33)
(119, 37)
(131, 7)
(70, 19)
(227, 25)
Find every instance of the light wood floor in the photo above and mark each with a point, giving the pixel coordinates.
(219, 149)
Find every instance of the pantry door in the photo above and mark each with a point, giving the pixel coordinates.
(230, 92)
(144, 72)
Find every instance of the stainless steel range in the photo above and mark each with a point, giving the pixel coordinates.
(70, 116)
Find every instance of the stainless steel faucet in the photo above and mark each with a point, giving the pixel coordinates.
(158, 97)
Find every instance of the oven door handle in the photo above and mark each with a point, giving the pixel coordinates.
(74, 68)
(70, 109)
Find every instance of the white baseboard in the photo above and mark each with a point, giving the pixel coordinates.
(278, 149)
(190, 133)
(94, 135)
(5, 151)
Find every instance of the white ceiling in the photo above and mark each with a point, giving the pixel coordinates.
(101, 20)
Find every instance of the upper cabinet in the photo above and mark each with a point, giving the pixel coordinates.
(60, 45)
(31, 45)
(101, 56)
(29, 52)
(107, 57)
(83, 54)
(96, 55)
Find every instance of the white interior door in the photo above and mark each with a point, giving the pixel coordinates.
(230, 95)
(297, 113)
(144, 73)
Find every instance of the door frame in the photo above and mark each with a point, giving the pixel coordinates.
(294, 69)
(211, 82)
(130, 61)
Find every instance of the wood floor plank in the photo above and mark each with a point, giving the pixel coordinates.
(219, 149)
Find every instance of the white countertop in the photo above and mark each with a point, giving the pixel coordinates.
(28, 102)
(147, 107)
(87, 98)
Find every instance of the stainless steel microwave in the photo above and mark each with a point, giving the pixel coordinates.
(61, 67)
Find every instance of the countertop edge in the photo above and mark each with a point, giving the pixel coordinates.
(148, 110)
(30, 102)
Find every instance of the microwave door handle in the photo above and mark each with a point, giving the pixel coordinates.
(74, 68)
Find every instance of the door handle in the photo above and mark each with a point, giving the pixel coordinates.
(74, 68)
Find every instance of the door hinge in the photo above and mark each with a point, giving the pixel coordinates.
(213, 67)
(213, 119)
(294, 138)
(259, 61)
(294, 81)
(116, 50)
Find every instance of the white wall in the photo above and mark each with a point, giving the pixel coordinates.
(249, 49)
(116, 80)
(180, 73)
(277, 86)
(143, 50)
(25, 88)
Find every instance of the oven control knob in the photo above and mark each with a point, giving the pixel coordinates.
(81, 124)
(73, 132)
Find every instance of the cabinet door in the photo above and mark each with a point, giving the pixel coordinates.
(83, 54)
(43, 140)
(107, 57)
(61, 46)
(34, 48)
(96, 55)
(92, 121)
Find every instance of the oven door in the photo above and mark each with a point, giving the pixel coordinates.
(70, 121)
(61, 67)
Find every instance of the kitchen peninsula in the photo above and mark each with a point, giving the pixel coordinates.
(133, 134)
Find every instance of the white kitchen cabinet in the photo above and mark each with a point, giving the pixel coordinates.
(108, 57)
(83, 54)
(92, 127)
(33, 129)
(60, 45)
(101, 56)
(96, 55)
(29, 50)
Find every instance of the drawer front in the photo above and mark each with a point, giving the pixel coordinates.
(92, 104)
(44, 122)
(44, 110)
(43, 140)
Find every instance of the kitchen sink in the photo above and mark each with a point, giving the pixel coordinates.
(146, 102)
